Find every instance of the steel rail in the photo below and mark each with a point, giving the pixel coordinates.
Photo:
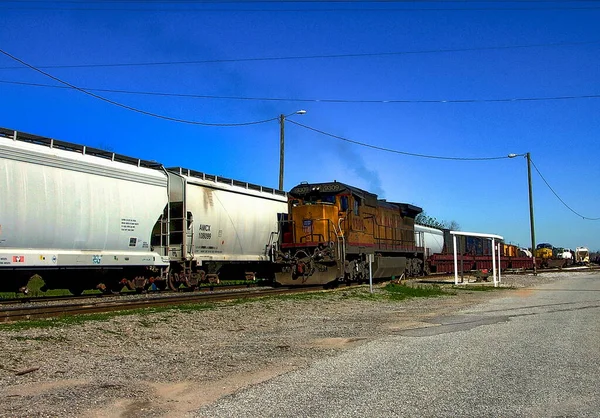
(14, 314)
(41, 299)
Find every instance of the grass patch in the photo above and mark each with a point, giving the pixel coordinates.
(401, 292)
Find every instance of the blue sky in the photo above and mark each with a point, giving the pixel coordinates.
(554, 52)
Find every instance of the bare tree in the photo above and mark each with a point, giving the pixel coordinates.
(426, 220)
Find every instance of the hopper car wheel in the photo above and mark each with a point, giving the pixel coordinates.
(116, 287)
(174, 282)
(76, 290)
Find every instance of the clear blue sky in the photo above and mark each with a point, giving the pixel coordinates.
(562, 58)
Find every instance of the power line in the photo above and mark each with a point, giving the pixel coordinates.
(284, 99)
(559, 198)
(295, 1)
(133, 109)
(303, 57)
(442, 158)
(412, 154)
(383, 7)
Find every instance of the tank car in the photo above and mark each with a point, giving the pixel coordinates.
(334, 228)
(78, 214)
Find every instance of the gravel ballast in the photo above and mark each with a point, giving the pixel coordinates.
(170, 363)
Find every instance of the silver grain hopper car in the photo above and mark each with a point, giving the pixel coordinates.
(77, 215)
(218, 227)
(84, 218)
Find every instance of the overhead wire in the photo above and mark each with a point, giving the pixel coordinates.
(133, 109)
(296, 1)
(412, 154)
(305, 100)
(437, 157)
(303, 57)
(383, 6)
(559, 198)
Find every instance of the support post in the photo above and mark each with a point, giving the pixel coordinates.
(494, 262)
(371, 273)
(455, 260)
(499, 266)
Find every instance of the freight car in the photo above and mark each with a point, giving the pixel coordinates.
(474, 253)
(215, 225)
(82, 218)
(549, 256)
(582, 255)
(333, 229)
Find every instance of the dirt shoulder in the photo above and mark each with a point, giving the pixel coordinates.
(170, 363)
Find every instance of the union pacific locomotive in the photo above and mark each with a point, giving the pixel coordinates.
(83, 217)
(333, 229)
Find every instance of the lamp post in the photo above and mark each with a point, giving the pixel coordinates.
(528, 156)
(282, 143)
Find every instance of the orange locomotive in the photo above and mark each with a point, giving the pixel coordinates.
(331, 230)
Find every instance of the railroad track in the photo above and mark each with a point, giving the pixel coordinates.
(41, 299)
(13, 314)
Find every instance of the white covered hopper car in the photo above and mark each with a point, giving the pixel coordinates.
(83, 218)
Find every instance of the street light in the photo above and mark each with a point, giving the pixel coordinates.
(528, 156)
(282, 141)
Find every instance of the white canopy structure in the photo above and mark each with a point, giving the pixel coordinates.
(494, 252)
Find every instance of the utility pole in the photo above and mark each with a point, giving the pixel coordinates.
(281, 150)
(282, 143)
(528, 155)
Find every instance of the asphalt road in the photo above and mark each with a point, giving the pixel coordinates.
(535, 353)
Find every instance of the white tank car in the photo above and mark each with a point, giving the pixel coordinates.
(432, 239)
(221, 219)
(65, 205)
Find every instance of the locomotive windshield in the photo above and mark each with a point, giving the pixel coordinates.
(316, 197)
